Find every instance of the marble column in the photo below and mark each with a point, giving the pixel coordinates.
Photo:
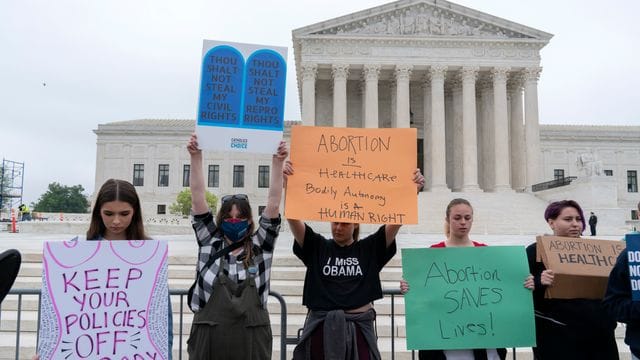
(426, 130)
(454, 90)
(487, 163)
(518, 161)
(402, 75)
(362, 93)
(309, 72)
(501, 129)
(437, 141)
(371, 74)
(393, 99)
(531, 125)
(469, 131)
(340, 72)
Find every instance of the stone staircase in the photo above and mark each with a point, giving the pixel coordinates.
(516, 216)
(494, 213)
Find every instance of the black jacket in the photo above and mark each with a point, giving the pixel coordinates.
(617, 301)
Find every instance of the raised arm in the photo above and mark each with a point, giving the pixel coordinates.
(275, 186)
(196, 179)
(391, 230)
(296, 226)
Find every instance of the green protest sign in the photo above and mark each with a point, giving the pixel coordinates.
(467, 298)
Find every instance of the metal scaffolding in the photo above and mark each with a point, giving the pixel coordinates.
(11, 183)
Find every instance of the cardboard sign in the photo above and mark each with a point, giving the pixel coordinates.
(353, 175)
(633, 254)
(581, 266)
(462, 298)
(241, 105)
(104, 300)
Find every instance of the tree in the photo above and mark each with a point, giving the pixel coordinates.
(61, 198)
(182, 206)
(5, 184)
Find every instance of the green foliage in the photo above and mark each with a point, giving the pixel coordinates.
(62, 198)
(4, 187)
(182, 206)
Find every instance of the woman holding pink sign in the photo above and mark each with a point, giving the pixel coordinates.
(568, 328)
(229, 296)
(117, 215)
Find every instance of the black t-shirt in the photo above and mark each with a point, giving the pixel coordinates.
(342, 277)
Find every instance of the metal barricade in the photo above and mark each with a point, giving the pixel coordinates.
(284, 338)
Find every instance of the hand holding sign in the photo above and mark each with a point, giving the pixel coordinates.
(242, 88)
(576, 267)
(461, 298)
(353, 175)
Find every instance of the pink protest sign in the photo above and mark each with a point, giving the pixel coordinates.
(104, 300)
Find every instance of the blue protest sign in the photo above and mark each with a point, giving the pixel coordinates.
(221, 87)
(242, 92)
(633, 253)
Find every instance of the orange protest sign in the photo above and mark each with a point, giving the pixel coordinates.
(353, 175)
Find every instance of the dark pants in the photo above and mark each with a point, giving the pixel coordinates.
(317, 344)
(593, 230)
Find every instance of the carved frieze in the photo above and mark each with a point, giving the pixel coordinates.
(421, 20)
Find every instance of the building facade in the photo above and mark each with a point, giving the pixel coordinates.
(465, 79)
(152, 155)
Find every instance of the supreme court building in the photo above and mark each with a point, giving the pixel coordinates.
(466, 80)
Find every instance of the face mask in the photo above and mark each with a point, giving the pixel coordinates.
(236, 230)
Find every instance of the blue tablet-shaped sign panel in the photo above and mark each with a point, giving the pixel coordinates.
(221, 87)
(633, 253)
(264, 91)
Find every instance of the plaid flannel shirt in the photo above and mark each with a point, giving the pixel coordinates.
(210, 241)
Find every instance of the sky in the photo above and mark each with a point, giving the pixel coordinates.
(68, 65)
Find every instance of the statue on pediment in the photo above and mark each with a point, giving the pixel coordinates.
(422, 21)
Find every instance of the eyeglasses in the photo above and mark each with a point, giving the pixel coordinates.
(235, 196)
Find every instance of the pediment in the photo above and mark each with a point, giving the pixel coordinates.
(426, 18)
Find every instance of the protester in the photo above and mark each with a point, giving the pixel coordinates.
(341, 303)
(619, 303)
(568, 328)
(117, 215)
(229, 298)
(458, 222)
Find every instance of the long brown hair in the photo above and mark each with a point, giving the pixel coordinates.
(452, 203)
(244, 208)
(117, 190)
